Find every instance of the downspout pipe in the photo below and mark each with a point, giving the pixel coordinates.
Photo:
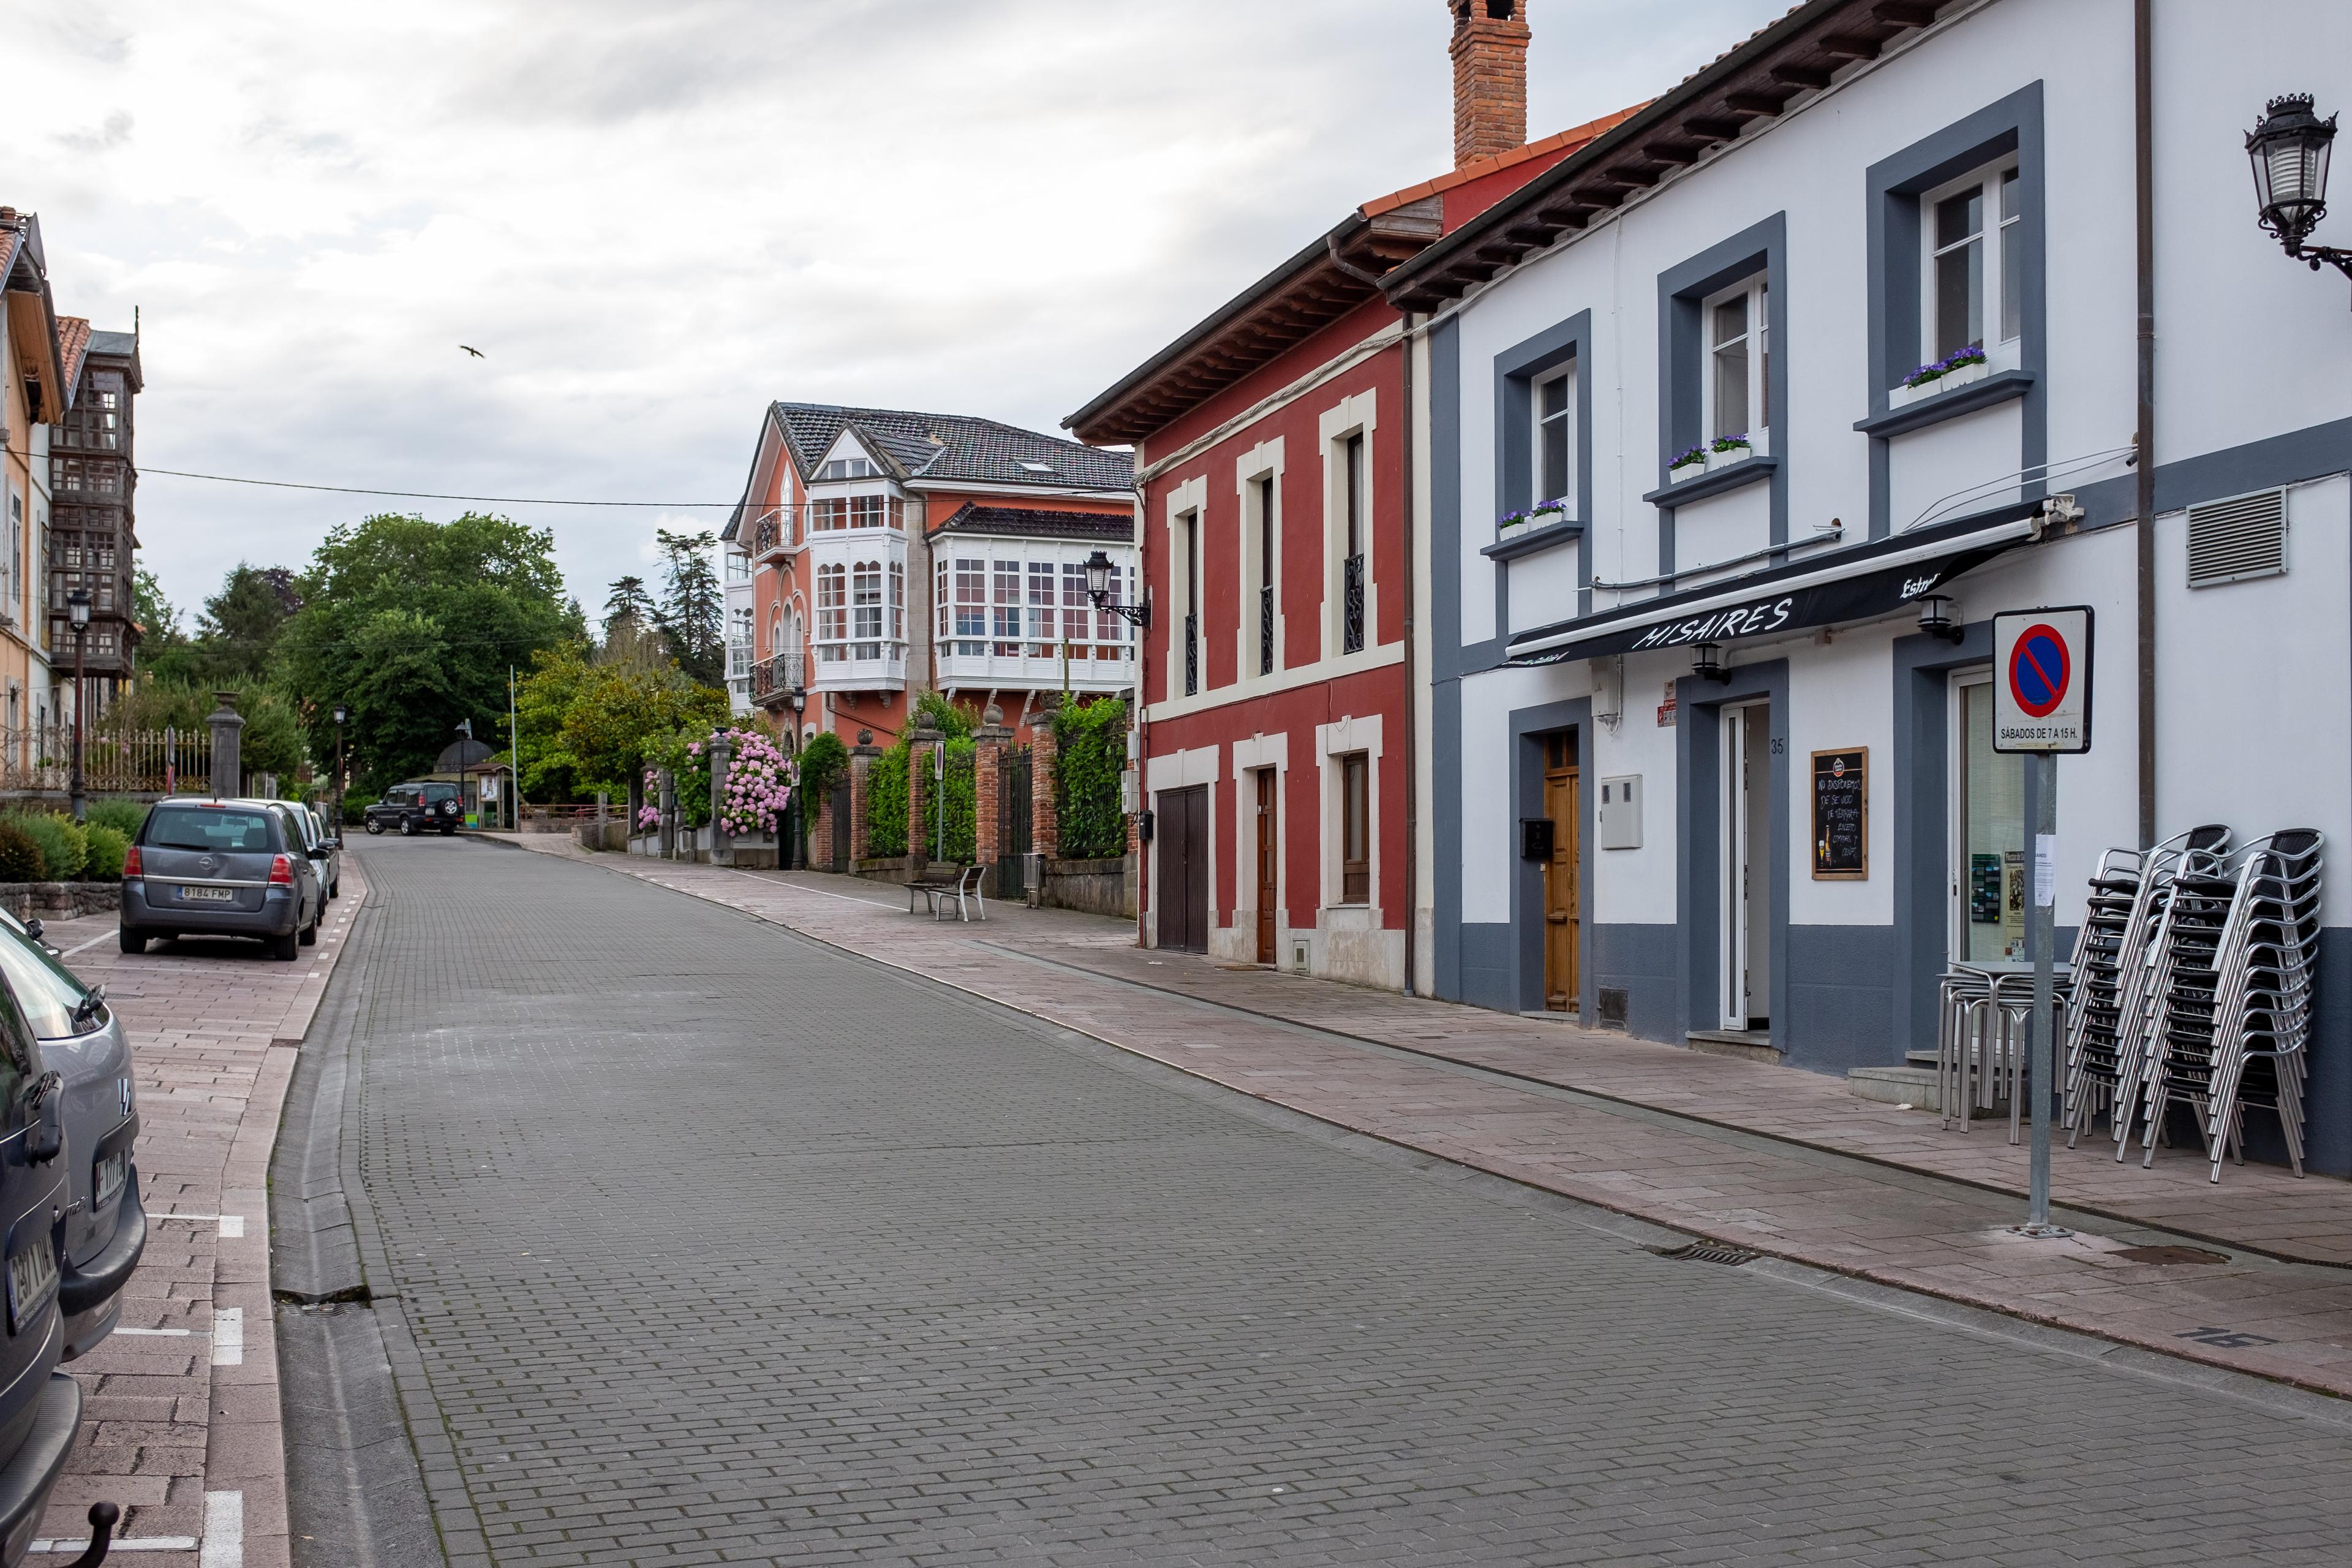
(2144, 541)
(1405, 347)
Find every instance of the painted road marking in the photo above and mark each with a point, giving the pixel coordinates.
(161, 1333)
(224, 1531)
(137, 1544)
(68, 952)
(228, 1337)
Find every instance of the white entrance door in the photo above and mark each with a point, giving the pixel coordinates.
(1747, 866)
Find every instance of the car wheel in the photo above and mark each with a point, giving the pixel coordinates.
(376, 828)
(309, 934)
(335, 891)
(409, 827)
(283, 948)
(133, 941)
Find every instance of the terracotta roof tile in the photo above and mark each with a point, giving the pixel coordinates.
(1566, 141)
(73, 343)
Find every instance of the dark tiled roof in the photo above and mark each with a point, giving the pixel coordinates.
(120, 345)
(1024, 523)
(953, 446)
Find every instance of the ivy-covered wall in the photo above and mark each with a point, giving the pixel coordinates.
(1092, 741)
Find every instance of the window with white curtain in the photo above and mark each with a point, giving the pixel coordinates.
(1734, 391)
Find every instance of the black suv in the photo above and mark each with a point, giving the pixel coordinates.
(411, 808)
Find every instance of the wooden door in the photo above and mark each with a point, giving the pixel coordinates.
(1563, 886)
(1184, 833)
(1266, 895)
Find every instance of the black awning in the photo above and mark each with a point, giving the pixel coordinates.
(1857, 584)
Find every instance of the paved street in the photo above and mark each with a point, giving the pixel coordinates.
(721, 1246)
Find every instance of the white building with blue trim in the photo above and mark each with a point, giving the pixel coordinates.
(1737, 428)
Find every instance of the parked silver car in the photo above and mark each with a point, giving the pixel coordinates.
(230, 868)
(40, 1407)
(82, 1042)
(330, 864)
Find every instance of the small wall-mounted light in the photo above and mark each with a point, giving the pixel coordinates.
(1935, 619)
(1098, 576)
(1707, 663)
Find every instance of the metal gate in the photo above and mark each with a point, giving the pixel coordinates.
(838, 810)
(1013, 826)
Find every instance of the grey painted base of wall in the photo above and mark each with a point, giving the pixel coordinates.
(1643, 963)
(1841, 998)
(1487, 952)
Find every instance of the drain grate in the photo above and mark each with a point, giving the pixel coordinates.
(2168, 1255)
(1710, 1252)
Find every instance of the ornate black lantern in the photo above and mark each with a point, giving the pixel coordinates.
(1099, 570)
(2289, 153)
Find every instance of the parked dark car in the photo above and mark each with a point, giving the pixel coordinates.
(39, 1406)
(409, 809)
(81, 1040)
(225, 868)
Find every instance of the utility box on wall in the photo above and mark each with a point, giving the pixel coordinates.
(1617, 815)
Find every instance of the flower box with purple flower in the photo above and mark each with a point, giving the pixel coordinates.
(1689, 465)
(1958, 368)
(1543, 514)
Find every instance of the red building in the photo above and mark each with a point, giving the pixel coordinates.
(1270, 442)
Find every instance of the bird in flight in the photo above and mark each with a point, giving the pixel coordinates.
(472, 350)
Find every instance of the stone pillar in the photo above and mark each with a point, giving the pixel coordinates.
(861, 763)
(923, 745)
(229, 727)
(988, 791)
(666, 782)
(723, 848)
(1045, 803)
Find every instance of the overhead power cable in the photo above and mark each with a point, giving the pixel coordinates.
(415, 495)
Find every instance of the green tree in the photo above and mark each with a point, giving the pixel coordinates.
(619, 715)
(166, 653)
(627, 608)
(239, 629)
(413, 625)
(693, 611)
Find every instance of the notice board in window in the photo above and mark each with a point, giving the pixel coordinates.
(1841, 815)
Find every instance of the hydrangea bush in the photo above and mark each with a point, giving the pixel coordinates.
(759, 784)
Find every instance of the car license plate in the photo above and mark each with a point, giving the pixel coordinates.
(208, 895)
(32, 1280)
(110, 1174)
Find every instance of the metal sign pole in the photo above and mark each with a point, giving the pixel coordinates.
(2041, 916)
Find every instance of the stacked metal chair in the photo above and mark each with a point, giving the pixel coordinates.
(2232, 995)
(2107, 1027)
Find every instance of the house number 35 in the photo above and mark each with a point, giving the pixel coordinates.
(1780, 746)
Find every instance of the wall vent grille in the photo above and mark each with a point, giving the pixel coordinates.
(2231, 540)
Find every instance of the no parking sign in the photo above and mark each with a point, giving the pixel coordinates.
(2042, 680)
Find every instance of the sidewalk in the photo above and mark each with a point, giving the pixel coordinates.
(1781, 1161)
(181, 1422)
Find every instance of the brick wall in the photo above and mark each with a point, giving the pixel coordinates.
(1045, 817)
(1490, 78)
(861, 760)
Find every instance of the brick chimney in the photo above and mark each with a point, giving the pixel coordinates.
(1490, 76)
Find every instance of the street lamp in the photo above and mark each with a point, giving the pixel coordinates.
(341, 713)
(466, 728)
(78, 608)
(1098, 570)
(2289, 153)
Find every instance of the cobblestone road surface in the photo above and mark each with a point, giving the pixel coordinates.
(722, 1247)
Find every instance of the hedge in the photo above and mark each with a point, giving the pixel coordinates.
(885, 803)
(962, 796)
(1092, 741)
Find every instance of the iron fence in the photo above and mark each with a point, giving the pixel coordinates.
(113, 762)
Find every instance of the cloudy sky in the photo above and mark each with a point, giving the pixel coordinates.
(653, 219)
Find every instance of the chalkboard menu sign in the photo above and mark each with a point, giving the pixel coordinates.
(1841, 815)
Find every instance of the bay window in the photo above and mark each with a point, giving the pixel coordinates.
(865, 603)
(832, 612)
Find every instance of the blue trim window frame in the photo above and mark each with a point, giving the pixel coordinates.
(2008, 129)
(1683, 363)
(1519, 371)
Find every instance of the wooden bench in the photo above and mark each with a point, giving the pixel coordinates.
(943, 882)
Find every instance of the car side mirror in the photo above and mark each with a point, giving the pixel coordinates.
(33, 928)
(320, 853)
(45, 1137)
